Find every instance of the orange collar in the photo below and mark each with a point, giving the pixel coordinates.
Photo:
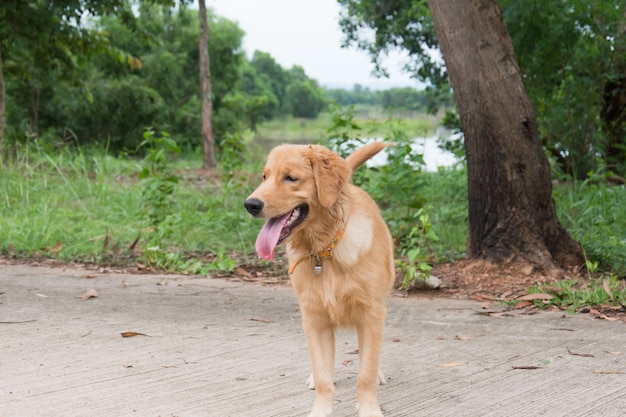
(323, 254)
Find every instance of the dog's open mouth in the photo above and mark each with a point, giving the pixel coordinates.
(277, 229)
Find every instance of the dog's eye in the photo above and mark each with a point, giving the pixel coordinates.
(289, 178)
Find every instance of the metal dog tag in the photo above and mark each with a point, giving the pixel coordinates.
(317, 269)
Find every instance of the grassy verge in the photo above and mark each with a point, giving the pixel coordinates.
(91, 207)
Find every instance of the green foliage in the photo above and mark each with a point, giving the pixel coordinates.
(414, 237)
(272, 75)
(594, 213)
(304, 99)
(254, 85)
(358, 95)
(402, 24)
(569, 53)
(158, 178)
(118, 113)
(404, 98)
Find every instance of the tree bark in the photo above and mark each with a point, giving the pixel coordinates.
(208, 154)
(512, 216)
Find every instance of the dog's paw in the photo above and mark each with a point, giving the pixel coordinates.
(372, 413)
(320, 414)
(369, 411)
(381, 377)
(322, 407)
(310, 382)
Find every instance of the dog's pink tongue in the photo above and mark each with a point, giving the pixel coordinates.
(268, 236)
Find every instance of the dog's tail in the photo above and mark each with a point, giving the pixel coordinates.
(362, 154)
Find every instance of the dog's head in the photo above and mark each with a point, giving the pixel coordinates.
(300, 182)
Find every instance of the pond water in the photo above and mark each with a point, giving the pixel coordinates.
(433, 155)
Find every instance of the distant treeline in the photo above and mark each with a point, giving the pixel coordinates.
(405, 98)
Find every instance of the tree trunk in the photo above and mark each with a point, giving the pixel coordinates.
(208, 154)
(512, 216)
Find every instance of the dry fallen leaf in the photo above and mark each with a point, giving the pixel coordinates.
(90, 293)
(260, 319)
(614, 353)
(242, 272)
(540, 296)
(586, 355)
(524, 304)
(606, 287)
(506, 295)
(461, 338)
(347, 362)
(56, 248)
(527, 367)
(609, 372)
(132, 334)
(451, 364)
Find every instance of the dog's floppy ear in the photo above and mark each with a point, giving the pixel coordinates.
(330, 172)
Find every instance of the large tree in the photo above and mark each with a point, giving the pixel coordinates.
(570, 53)
(512, 215)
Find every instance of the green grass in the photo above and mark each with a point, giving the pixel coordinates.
(573, 295)
(595, 215)
(89, 207)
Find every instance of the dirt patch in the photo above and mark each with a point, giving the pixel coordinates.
(465, 279)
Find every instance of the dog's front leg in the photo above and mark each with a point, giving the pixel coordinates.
(321, 340)
(370, 334)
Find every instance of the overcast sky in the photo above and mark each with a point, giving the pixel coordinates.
(306, 33)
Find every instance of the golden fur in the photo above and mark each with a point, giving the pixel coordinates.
(352, 288)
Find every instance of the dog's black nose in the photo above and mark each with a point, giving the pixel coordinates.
(253, 206)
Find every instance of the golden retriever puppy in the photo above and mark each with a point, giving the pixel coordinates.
(340, 255)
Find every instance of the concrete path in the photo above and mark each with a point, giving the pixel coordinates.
(220, 348)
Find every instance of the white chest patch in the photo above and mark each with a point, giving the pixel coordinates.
(356, 241)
